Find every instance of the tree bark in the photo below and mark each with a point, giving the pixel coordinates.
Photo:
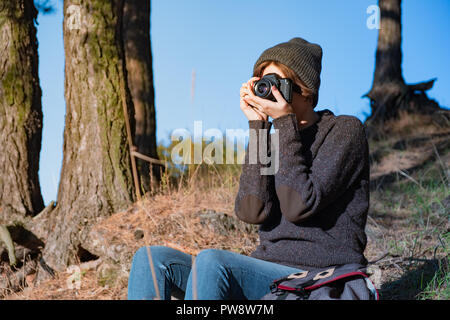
(96, 178)
(20, 111)
(388, 67)
(138, 57)
(388, 83)
(389, 93)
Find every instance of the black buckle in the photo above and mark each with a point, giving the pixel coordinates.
(273, 288)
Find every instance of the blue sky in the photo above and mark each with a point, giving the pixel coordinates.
(221, 40)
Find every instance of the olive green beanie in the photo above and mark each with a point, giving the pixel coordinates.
(303, 57)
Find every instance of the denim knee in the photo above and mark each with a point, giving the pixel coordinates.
(213, 281)
(211, 259)
(158, 254)
(139, 256)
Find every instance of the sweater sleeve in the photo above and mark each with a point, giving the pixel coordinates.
(254, 199)
(303, 191)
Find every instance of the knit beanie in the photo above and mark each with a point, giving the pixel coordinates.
(303, 57)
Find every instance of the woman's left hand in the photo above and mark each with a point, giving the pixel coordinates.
(273, 109)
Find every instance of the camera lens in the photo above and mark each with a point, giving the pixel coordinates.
(262, 88)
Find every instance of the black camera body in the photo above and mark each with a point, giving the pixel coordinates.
(263, 87)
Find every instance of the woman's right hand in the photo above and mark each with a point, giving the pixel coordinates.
(250, 112)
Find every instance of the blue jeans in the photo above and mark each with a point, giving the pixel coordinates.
(219, 275)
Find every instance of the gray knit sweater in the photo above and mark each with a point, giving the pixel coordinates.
(312, 212)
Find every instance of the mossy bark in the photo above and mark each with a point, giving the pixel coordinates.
(138, 57)
(20, 111)
(96, 178)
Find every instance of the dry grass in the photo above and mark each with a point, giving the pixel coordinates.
(409, 212)
(58, 289)
(410, 124)
(188, 216)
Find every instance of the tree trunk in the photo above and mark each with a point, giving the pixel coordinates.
(138, 57)
(389, 93)
(388, 83)
(96, 178)
(20, 111)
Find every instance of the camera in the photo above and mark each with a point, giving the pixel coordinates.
(263, 87)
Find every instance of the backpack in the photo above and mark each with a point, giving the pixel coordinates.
(345, 282)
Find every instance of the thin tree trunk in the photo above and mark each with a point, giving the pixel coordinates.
(138, 54)
(96, 178)
(389, 93)
(20, 111)
(388, 67)
(388, 83)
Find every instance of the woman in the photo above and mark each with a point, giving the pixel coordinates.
(312, 211)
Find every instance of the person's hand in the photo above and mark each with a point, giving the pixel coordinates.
(250, 112)
(271, 108)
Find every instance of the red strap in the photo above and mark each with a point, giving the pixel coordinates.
(315, 286)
